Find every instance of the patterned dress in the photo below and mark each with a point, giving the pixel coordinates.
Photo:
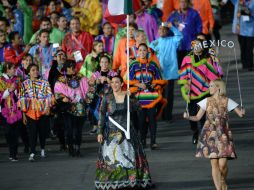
(122, 163)
(215, 140)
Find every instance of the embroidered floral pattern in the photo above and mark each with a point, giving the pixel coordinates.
(122, 163)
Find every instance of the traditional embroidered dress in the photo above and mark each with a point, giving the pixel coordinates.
(216, 138)
(11, 116)
(83, 42)
(97, 91)
(8, 99)
(122, 163)
(35, 98)
(199, 74)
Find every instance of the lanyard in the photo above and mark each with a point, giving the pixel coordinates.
(45, 58)
(135, 51)
(78, 43)
(142, 74)
(183, 17)
(200, 6)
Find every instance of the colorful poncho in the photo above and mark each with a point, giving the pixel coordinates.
(35, 97)
(198, 75)
(147, 72)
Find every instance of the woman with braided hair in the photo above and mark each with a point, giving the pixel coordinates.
(146, 83)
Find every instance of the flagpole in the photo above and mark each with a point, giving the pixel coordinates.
(128, 81)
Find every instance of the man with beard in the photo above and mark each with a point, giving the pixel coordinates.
(77, 43)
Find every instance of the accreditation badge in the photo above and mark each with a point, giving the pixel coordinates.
(245, 18)
(78, 56)
(181, 26)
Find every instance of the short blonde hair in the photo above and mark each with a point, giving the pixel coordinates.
(221, 85)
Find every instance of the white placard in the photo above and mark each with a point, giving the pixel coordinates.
(78, 56)
(245, 18)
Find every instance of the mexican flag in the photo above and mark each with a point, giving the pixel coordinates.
(117, 10)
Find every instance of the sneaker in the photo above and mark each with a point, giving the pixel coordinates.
(43, 155)
(14, 159)
(31, 157)
(154, 146)
(195, 138)
(52, 135)
(93, 131)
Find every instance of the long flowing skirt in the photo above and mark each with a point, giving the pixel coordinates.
(122, 163)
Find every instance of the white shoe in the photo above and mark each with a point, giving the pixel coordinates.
(43, 155)
(14, 160)
(31, 157)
